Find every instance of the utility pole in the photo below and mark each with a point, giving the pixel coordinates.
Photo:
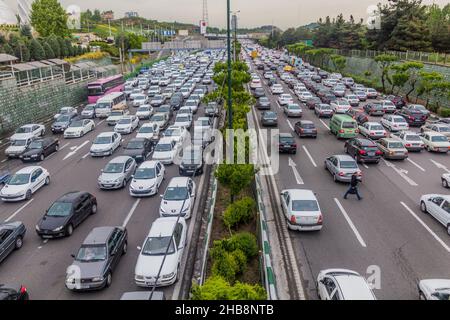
(229, 102)
(109, 25)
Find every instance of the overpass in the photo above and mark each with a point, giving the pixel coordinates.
(203, 44)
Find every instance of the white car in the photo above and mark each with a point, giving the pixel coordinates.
(388, 106)
(115, 116)
(105, 144)
(445, 179)
(256, 83)
(179, 198)
(24, 183)
(164, 232)
(145, 111)
(438, 206)
(411, 140)
(165, 150)
(185, 92)
(340, 106)
(183, 120)
(17, 147)
(28, 131)
(303, 96)
(140, 100)
(192, 104)
(434, 289)
(136, 93)
(372, 130)
(394, 122)
(176, 133)
(343, 284)
(371, 93)
(352, 99)
(149, 131)
(65, 110)
(153, 91)
(79, 128)
(285, 99)
(162, 119)
(147, 179)
(127, 125)
(301, 209)
(277, 89)
(435, 142)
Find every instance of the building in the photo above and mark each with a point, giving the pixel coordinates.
(107, 15)
(24, 11)
(234, 22)
(131, 14)
(7, 16)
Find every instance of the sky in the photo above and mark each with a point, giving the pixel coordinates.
(253, 13)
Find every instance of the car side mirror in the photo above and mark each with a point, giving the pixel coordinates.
(101, 170)
(72, 255)
(139, 248)
(161, 195)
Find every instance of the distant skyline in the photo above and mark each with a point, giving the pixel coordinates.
(253, 13)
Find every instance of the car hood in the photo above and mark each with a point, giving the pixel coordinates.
(114, 118)
(148, 266)
(50, 223)
(31, 152)
(142, 183)
(105, 177)
(89, 269)
(163, 154)
(174, 207)
(123, 126)
(15, 148)
(20, 136)
(100, 147)
(12, 190)
(60, 124)
(73, 129)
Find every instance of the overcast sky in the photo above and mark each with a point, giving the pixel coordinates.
(282, 13)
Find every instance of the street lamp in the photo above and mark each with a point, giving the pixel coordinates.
(234, 26)
(229, 100)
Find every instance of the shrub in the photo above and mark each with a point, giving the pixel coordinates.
(240, 259)
(225, 265)
(244, 241)
(214, 288)
(444, 112)
(236, 177)
(238, 212)
(244, 291)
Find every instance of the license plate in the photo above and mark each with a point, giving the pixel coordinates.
(371, 154)
(108, 185)
(287, 146)
(27, 158)
(46, 236)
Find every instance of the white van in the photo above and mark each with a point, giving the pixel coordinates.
(112, 101)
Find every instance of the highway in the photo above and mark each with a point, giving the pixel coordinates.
(385, 233)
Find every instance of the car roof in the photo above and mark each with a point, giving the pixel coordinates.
(434, 134)
(165, 140)
(148, 164)
(162, 227)
(98, 235)
(137, 139)
(306, 122)
(106, 134)
(353, 287)
(70, 196)
(344, 157)
(178, 181)
(303, 194)
(29, 169)
(28, 125)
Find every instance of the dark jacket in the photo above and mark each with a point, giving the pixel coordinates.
(354, 182)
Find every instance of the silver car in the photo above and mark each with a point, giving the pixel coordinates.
(342, 167)
(117, 173)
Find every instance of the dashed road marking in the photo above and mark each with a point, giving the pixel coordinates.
(310, 157)
(325, 125)
(18, 210)
(414, 163)
(290, 125)
(350, 223)
(130, 214)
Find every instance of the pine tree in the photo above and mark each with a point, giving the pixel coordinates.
(49, 54)
(36, 50)
(54, 45)
(64, 51)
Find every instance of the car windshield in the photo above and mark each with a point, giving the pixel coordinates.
(63, 119)
(156, 246)
(18, 143)
(182, 118)
(147, 129)
(413, 138)
(348, 165)
(176, 193)
(139, 98)
(136, 144)
(23, 130)
(444, 129)
(192, 156)
(163, 147)
(36, 145)
(143, 109)
(113, 168)
(349, 125)
(145, 173)
(399, 120)
(89, 108)
(158, 117)
(116, 114)
(19, 179)
(308, 125)
(76, 124)
(60, 209)
(294, 107)
(91, 253)
(286, 140)
(102, 105)
(124, 121)
(102, 140)
(396, 145)
(305, 205)
(190, 103)
(439, 139)
(270, 115)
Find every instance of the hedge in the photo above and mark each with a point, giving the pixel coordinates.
(241, 211)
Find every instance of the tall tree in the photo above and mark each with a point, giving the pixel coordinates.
(54, 44)
(384, 62)
(49, 54)
(25, 31)
(48, 17)
(69, 47)
(36, 50)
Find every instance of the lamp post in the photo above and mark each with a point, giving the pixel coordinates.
(229, 100)
(234, 26)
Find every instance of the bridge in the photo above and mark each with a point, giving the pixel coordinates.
(182, 45)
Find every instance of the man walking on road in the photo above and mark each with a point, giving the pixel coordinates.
(353, 189)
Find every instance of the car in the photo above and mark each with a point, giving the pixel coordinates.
(285, 99)
(115, 116)
(191, 161)
(13, 292)
(11, 238)
(362, 96)
(397, 100)
(62, 123)
(176, 101)
(97, 259)
(145, 111)
(437, 127)
(149, 131)
(374, 109)
(256, 83)
(65, 214)
(438, 206)
(388, 106)
(372, 130)
(343, 284)
(105, 144)
(66, 111)
(339, 91)
(162, 119)
(183, 120)
(161, 253)
(259, 92)
(435, 142)
(371, 93)
(79, 128)
(117, 173)
(153, 91)
(411, 140)
(348, 82)
(202, 134)
(434, 289)
(269, 118)
(39, 149)
(323, 110)
(138, 148)
(301, 210)
(305, 128)
(352, 99)
(127, 124)
(140, 100)
(24, 183)
(286, 143)
(88, 111)
(28, 131)
(168, 92)
(166, 150)
(445, 179)
(176, 133)
(418, 107)
(192, 104)
(167, 109)
(179, 198)
(212, 109)
(415, 118)
(342, 167)
(263, 103)
(363, 150)
(158, 100)
(304, 96)
(17, 147)
(357, 87)
(394, 122)
(293, 110)
(312, 102)
(147, 179)
(340, 106)
(392, 148)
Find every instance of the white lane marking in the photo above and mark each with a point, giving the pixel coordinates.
(365, 166)
(349, 221)
(290, 125)
(325, 125)
(133, 208)
(401, 172)
(446, 247)
(64, 146)
(414, 163)
(440, 166)
(310, 157)
(18, 210)
(85, 156)
(4, 160)
(75, 150)
(100, 122)
(298, 178)
(278, 104)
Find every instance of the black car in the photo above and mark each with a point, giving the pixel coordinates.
(138, 149)
(329, 98)
(259, 92)
(13, 292)
(398, 101)
(374, 109)
(313, 102)
(363, 150)
(286, 143)
(316, 78)
(39, 149)
(415, 118)
(11, 237)
(166, 108)
(62, 122)
(272, 81)
(263, 103)
(176, 101)
(305, 128)
(192, 161)
(269, 118)
(65, 214)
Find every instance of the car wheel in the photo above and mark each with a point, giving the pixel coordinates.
(18, 243)
(108, 280)
(57, 147)
(28, 195)
(178, 273)
(47, 181)
(448, 229)
(125, 248)
(69, 230)
(422, 296)
(42, 133)
(94, 209)
(444, 183)
(124, 183)
(81, 133)
(423, 207)
(334, 178)
(42, 157)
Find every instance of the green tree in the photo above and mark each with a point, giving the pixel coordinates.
(49, 17)
(36, 50)
(235, 177)
(429, 83)
(217, 288)
(49, 54)
(64, 50)
(7, 49)
(97, 17)
(385, 62)
(25, 31)
(54, 44)
(339, 62)
(438, 22)
(69, 47)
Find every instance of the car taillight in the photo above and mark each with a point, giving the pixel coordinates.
(294, 145)
(378, 153)
(362, 152)
(359, 173)
(408, 145)
(341, 174)
(341, 131)
(293, 219)
(320, 219)
(23, 289)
